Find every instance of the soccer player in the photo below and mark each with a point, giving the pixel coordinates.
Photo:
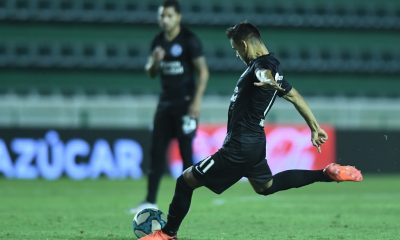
(177, 56)
(243, 151)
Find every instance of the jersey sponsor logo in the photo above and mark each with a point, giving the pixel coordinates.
(172, 68)
(176, 50)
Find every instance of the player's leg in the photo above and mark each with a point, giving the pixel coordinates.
(186, 150)
(288, 179)
(263, 184)
(161, 136)
(214, 172)
(186, 130)
(179, 207)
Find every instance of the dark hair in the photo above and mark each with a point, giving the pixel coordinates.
(243, 31)
(172, 3)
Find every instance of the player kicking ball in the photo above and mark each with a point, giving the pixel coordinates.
(244, 148)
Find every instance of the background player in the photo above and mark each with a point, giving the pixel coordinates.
(243, 152)
(177, 56)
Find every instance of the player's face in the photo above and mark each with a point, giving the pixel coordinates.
(168, 18)
(240, 51)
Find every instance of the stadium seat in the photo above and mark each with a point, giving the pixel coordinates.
(90, 48)
(3, 9)
(23, 55)
(45, 10)
(127, 56)
(288, 14)
(3, 54)
(22, 9)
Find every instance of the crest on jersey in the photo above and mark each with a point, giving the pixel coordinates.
(176, 50)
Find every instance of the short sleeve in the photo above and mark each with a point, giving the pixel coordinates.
(281, 80)
(285, 85)
(272, 64)
(195, 47)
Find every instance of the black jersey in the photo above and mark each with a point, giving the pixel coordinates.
(250, 104)
(177, 69)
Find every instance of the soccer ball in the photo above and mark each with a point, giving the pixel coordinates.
(148, 221)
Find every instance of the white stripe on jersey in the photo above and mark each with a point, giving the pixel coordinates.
(268, 107)
(270, 103)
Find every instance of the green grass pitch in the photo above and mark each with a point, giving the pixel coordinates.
(97, 209)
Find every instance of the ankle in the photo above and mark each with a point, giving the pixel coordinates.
(169, 232)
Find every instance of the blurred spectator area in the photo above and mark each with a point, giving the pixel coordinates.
(76, 49)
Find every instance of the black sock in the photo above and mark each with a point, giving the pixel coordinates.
(153, 183)
(295, 179)
(179, 206)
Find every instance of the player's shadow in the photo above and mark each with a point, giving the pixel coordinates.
(114, 237)
(122, 238)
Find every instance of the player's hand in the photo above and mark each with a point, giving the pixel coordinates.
(158, 54)
(267, 81)
(318, 137)
(194, 109)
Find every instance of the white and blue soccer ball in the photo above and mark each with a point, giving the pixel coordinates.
(148, 221)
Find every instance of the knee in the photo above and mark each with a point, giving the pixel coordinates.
(264, 188)
(182, 184)
(190, 179)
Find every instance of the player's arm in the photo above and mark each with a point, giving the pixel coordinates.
(152, 66)
(318, 135)
(267, 81)
(201, 84)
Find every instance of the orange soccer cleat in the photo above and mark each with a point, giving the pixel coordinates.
(158, 235)
(340, 173)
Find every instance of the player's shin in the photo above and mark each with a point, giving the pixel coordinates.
(179, 206)
(295, 179)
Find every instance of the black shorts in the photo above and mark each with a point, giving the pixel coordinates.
(173, 121)
(219, 172)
